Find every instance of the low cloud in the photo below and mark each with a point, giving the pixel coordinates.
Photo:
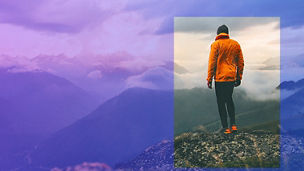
(258, 84)
(270, 64)
(261, 84)
(95, 74)
(154, 78)
(136, 65)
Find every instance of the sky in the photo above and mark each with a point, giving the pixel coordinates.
(134, 35)
(73, 28)
(259, 38)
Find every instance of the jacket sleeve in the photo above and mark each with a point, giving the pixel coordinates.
(239, 64)
(212, 62)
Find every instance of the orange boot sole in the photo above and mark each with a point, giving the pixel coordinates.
(234, 129)
(227, 131)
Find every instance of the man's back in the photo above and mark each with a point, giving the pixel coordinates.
(226, 60)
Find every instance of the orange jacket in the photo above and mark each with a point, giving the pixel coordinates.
(226, 61)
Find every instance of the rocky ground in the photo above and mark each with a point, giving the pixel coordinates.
(200, 149)
(196, 150)
(85, 166)
(156, 157)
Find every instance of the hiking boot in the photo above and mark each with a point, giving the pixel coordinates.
(227, 131)
(223, 131)
(234, 129)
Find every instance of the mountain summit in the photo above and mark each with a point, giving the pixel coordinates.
(245, 149)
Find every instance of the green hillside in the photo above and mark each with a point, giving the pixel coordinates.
(273, 126)
(197, 108)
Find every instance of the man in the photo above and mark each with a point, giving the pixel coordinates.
(226, 65)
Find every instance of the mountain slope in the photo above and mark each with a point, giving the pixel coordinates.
(117, 130)
(265, 118)
(292, 109)
(293, 104)
(39, 102)
(156, 157)
(33, 105)
(198, 107)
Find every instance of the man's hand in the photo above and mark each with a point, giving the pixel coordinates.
(209, 84)
(237, 83)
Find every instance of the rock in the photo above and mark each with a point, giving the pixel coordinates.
(86, 166)
(203, 150)
(219, 149)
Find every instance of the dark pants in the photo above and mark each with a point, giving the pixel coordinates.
(223, 91)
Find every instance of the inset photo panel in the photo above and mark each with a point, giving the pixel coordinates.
(226, 94)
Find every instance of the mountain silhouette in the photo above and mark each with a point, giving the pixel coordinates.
(291, 85)
(293, 104)
(33, 105)
(39, 102)
(292, 112)
(292, 109)
(117, 130)
(156, 157)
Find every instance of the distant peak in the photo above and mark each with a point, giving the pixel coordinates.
(291, 85)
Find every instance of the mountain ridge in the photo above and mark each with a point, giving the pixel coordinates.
(117, 130)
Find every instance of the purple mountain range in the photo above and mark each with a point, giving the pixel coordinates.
(291, 85)
(116, 131)
(34, 105)
(293, 105)
(292, 108)
(40, 103)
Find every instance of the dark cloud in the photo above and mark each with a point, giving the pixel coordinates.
(210, 24)
(13, 11)
(290, 12)
(23, 12)
(180, 69)
(47, 15)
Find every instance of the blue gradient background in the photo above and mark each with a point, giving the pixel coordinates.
(57, 55)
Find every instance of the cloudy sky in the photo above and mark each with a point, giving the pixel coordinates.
(138, 35)
(75, 27)
(259, 39)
